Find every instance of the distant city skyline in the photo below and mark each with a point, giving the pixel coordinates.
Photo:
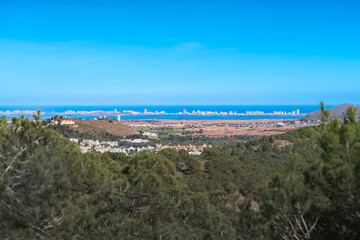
(156, 112)
(179, 53)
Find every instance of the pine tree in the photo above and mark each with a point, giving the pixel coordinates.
(335, 178)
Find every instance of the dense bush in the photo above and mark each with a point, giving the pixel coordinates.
(299, 185)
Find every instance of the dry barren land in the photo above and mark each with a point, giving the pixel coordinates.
(219, 128)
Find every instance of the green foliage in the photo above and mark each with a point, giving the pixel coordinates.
(200, 140)
(335, 178)
(323, 201)
(300, 185)
(35, 189)
(49, 189)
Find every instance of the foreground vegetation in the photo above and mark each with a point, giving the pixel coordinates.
(300, 185)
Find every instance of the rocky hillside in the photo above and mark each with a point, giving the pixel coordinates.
(96, 127)
(338, 111)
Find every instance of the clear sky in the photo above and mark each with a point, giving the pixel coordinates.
(103, 52)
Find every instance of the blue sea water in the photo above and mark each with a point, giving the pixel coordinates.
(175, 109)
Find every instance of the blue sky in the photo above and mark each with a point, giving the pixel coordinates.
(179, 52)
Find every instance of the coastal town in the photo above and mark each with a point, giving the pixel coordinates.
(150, 130)
(88, 145)
(102, 113)
(147, 131)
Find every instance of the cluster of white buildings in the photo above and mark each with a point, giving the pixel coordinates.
(135, 140)
(88, 145)
(297, 112)
(150, 135)
(277, 113)
(198, 112)
(146, 112)
(191, 148)
(257, 112)
(18, 112)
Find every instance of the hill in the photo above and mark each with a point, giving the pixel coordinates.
(92, 127)
(338, 111)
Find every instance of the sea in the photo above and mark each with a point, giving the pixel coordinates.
(48, 111)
